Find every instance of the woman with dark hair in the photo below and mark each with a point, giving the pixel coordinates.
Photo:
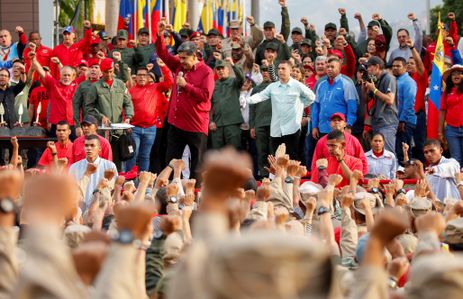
(450, 111)
(381, 162)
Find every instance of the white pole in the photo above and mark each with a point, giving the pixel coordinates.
(149, 18)
(428, 16)
(244, 18)
(167, 10)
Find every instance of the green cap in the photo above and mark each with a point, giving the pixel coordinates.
(122, 34)
(331, 26)
(220, 63)
(269, 24)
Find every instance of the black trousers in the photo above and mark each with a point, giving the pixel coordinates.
(291, 141)
(177, 139)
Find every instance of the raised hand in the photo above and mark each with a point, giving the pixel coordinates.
(389, 224)
(109, 174)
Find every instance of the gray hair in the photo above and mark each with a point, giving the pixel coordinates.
(320, 58)
(188, 47)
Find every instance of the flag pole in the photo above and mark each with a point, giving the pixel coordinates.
(135, 18)
(167, 10)
(244, 18)
(149, 20)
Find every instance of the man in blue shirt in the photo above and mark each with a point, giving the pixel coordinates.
(334, 93)
(406, 93)
(289, 97)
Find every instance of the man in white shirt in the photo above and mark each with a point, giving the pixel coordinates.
(289, 98)
(91, 170)
(441, 171)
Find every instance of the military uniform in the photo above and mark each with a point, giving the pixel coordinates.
(260, 116)
(104, 100)
(128, 55)
(226, 112)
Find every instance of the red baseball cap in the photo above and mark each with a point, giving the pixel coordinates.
(106, 64)
(95, 40)
(337, 53)
(338, 114)
(93, 61)
(83, 62)
(195, 34)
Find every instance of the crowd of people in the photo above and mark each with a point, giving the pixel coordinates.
(237, 167)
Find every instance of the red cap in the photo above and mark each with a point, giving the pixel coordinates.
(338, 114)
(83, 62)
(95, 40)
(337, 53)
(106, 64)
(195, 34)
(93, 61)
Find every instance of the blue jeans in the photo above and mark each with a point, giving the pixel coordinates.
(389, 133)
(144, 140)
(454, 137)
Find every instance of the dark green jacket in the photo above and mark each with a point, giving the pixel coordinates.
(260, 114)
(78, 101)
(226, 100)
(109, 101)
(284, 53)
(129, 57)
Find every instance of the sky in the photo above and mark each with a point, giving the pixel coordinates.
(323, 11)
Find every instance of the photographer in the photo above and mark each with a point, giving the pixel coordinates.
(382, 88)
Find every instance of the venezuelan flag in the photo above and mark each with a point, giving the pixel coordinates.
(221, 17)
(126, 10)
(436, 84)
(179, 18)
(206, 20)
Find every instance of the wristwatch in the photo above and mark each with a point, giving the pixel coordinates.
(392, 283)
(322, 210)
(173, 199)
(289, 180)
(374, 190)
(401, 191)
(7, 206)
(124, 236)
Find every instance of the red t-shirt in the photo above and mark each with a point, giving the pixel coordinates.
(43, 55)
(145, 100)
(40, 95)
(60, 96)
(334, 168)
(422, 84)
(78, 149)
(72, 55)
(452, 103)
(353, 148)
(62, 150)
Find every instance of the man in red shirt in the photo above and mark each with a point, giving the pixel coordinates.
(60, 95)
(145, 97)
(338, 162)
(71, 53)
(42, 53)
(60, 150)
(352, 145)
(190, 103)
(89, 127)
(416, 70)
(39, 96)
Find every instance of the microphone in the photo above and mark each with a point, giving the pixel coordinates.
(179, 89)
